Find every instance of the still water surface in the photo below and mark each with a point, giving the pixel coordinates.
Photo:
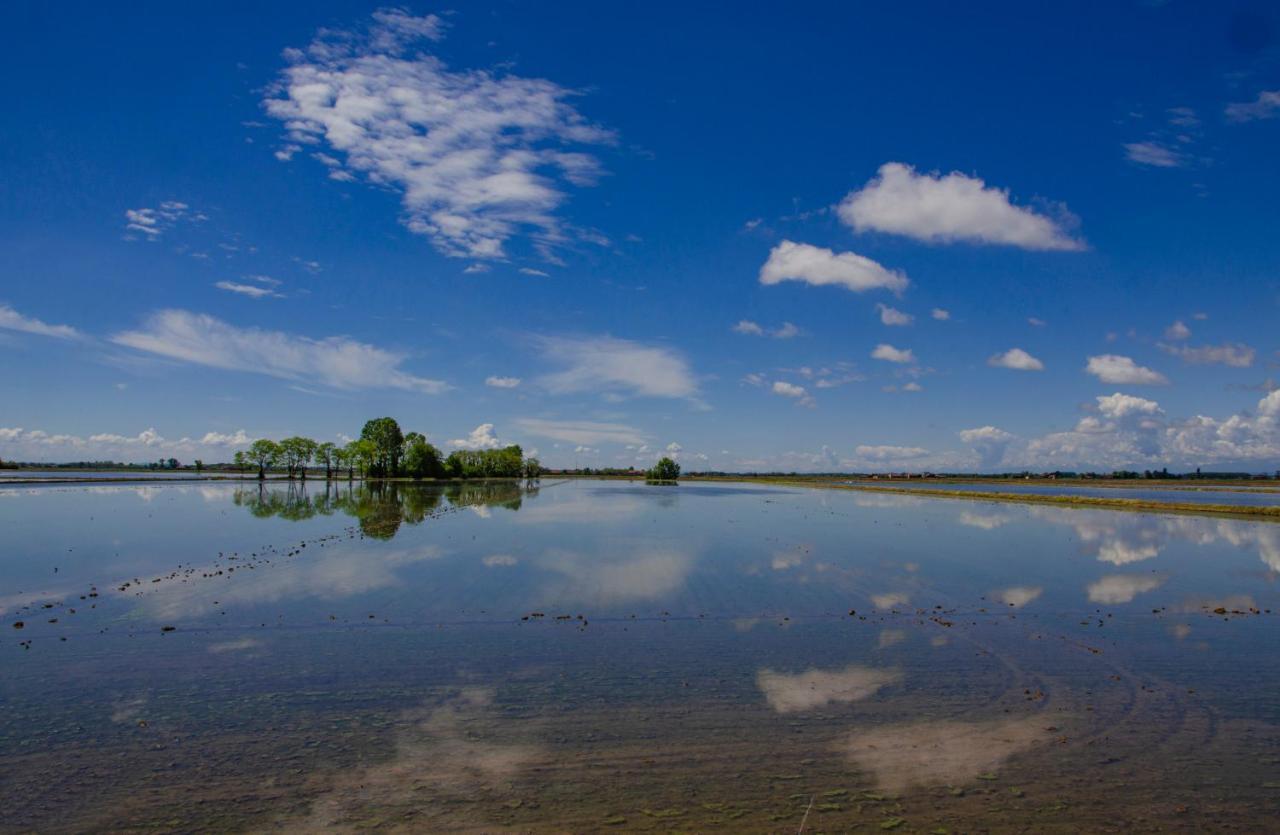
(605, 656)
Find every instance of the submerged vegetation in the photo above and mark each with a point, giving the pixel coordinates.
(384, 451)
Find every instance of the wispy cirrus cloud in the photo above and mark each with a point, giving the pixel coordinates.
(607, 364)
(1265, 106)
(951, 208)
(335, 361)
(12, 320)
(152, 223)
(584, 432)
(1154, 154)
(477, 156)
(253, 291)
(786, 330)
(1236, 355)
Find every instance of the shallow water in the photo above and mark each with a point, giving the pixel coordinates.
(1246, 495)
(615, 656)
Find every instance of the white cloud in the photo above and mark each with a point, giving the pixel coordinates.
(786, 330)
(11, 319)
(1265, 106)
(1017, 596)
(815, 688)
(152, 223)
(1177, 331)
(893, 316)
(581, 431)
(1036, 323)
(481, 437)
(989, 442)
(336, 361)
(947, 209)
(502, 382)
(1235, 356)
(1017, 359)
(38, 445)
(789, 261)
(533, 272)
(478, 156)
(889, 453)
(940, 314)
(1122, 588)
(788, 389)
(605, 364)
(888, 353)
(476, 269)
(1112, 368)
(1154, 154)
(253, 291)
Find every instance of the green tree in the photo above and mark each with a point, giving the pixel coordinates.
(388, 441)
(199, 465)
(325, 454)
(263, 453)
(532, 469)
(364, 456)
(295, 452)
(241, 462)
(421, 459)
(664, 470)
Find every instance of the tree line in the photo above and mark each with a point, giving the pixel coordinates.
(384, 451)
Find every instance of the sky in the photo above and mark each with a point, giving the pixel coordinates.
(797, 237)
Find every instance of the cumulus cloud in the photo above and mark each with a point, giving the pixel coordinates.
(888, 353)
(1234, 356)
(818, 266)
(581, 431)
(502, 382)
(481, 437)
(477, 156)
(893, 316)
(606, 364)
(1154, 154)
(1265, 106)
(336, 361)
(989, 442)
(11, 319)
(1017, 359)
(799, 393)
(948, 209)
(940, 314)
(1177, 331)
(1112, 368)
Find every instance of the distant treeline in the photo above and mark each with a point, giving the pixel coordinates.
(384, 451)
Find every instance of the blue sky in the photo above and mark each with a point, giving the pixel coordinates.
(811, 237)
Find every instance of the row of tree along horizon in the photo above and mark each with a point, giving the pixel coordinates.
(384, 451)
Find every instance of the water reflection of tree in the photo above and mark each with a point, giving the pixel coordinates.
(379, 507)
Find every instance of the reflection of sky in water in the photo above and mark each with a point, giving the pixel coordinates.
(609, 550)
(1249, 494)
(490, 637)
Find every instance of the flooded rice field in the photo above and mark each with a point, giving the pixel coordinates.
(612, 656)
(1253, 495)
